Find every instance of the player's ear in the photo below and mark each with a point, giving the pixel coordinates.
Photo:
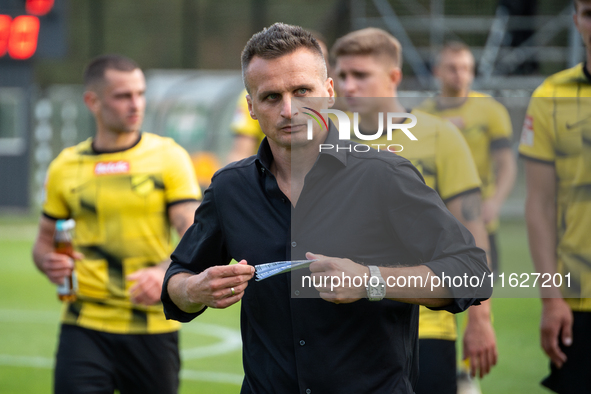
(250, 110)
(91, 100)
(396, 75)
(329, 85)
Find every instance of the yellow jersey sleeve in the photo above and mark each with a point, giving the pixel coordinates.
(180, 181)
(456, 171)
(537, 139)
(243, 123)
(54, 202)
(499, 122)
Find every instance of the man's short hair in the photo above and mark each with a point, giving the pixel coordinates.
(576, 3)
(95, 70)
(369, 41)
(453, 47)
(278, 40)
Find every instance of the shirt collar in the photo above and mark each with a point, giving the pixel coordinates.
(265, 156)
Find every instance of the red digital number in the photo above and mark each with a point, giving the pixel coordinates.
(38, 7)
(4, 33)
(24, 32)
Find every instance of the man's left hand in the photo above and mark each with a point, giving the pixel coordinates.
(148, 285)
(331, 270)
(480, 346)
(490, 210)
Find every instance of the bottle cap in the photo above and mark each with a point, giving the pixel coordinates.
(65, 225)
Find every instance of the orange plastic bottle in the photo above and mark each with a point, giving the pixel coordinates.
(62, 242)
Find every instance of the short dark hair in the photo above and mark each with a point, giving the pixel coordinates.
(453, 47)
(95, 70)
(278, 40)
(369, 41)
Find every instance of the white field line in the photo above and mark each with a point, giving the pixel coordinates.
(26, 361)
(230, 340)
(216, 377)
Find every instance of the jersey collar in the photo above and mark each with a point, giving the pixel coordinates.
(100, 152)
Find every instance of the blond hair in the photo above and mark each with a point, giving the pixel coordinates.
(369, 41)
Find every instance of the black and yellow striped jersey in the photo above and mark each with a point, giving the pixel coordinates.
(486, 127)
(557, 130)
(443, 157)
(119, 201)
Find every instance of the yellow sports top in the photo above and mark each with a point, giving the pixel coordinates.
(486, 127)
(119, 201)
(443, 157)
(557, 130)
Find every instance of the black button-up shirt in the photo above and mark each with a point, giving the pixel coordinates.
(373, 208)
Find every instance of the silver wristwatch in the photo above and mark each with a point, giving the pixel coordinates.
(376, 288)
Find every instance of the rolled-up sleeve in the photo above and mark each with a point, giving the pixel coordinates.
(437, 239)
(201, 247)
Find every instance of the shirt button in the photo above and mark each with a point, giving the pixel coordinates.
(294, 244)
(297, 292)
(308, 391)
(283, 200)
(302, 342)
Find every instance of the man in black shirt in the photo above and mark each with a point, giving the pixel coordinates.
(288, 201)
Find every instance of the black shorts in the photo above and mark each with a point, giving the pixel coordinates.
(574, 376)
(95, 362)
(437, 367)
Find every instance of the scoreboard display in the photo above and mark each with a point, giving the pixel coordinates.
(31, 27)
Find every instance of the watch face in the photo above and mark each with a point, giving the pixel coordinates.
(376, 293)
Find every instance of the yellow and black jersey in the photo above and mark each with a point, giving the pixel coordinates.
(243, 124)
(442, 156)
(557, 130)
(486, 127)
(119, 201)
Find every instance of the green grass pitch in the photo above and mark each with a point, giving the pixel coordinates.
(29, 313)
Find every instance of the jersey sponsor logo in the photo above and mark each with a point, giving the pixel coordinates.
(111, 167)
(527, 133)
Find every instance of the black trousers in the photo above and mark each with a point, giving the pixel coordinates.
(437, 367)
(95, 362)
(574, 376)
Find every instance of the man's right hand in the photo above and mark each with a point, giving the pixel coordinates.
(57, 266)
(219, 286)
(556, 324)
